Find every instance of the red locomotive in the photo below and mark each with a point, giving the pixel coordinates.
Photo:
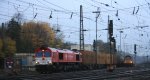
(50, 59)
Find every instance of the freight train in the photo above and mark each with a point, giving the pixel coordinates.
(49, 60)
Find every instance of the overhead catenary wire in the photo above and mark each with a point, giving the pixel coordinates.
(144, 8)
(71, 12)
(85, 17)
(57, 6)
(11, 3)
(126, 11)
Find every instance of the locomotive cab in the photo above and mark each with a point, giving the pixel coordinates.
(43, 57)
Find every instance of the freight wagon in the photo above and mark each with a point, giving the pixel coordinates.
(99, 60)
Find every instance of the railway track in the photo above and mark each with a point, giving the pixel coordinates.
(120, 73)
(127, 75)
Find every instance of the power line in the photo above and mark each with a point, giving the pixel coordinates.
(54, 9)
(74, 12)
(57, 6)
(139, 4)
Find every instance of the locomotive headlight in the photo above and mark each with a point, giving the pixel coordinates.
(48, 62)
(131, 62)
(37, 62)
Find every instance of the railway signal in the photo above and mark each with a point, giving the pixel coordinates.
(94, 45)
(135, 49)
(111, 28)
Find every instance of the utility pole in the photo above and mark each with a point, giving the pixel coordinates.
(3, 39)
(97, 15)
(120, 40)
(108, 30)
(135, 52)
(81, 29)
(147, 59)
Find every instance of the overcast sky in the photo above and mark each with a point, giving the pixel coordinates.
(131, 16)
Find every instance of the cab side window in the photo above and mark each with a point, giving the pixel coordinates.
(77, 57)
(60, 56)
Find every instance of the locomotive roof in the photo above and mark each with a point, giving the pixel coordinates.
(127, 56)
(53, 49)
(62, 50)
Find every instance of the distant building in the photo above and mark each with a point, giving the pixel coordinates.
(27, 58)
(88, 47)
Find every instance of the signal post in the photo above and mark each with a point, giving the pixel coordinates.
(112, 45)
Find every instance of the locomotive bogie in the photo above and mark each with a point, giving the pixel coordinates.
(57, 67)
(44, 68)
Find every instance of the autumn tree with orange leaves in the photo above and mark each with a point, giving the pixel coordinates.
(35, 34)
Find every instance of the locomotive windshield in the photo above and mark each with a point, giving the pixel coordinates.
(47, 54)
(41, 54)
